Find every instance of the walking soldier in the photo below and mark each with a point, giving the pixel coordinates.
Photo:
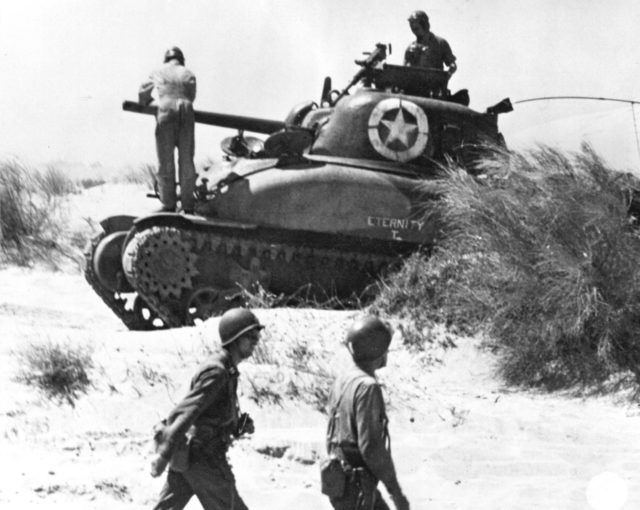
(358, 445)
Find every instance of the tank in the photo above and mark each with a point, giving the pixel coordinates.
(320, 208)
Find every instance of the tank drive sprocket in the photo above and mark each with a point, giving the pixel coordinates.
(160, 261)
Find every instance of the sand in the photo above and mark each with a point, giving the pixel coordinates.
(460, 437)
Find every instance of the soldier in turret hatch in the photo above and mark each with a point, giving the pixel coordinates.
(175, 86)
(428, 50)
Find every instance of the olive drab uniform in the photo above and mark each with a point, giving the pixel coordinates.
(175, 86)
(208, 416)
(430, 51)
(358, 435)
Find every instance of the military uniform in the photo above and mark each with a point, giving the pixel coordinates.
(176, 89)
(358, 435)
(209, 416)
(430, 51)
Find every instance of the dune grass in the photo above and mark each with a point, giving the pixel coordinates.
(60, 370)
(30, 214)
(541, 253)
(33, 219)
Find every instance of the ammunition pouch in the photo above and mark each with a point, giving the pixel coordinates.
(333, 477)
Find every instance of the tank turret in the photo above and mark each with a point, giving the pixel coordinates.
(336, 194)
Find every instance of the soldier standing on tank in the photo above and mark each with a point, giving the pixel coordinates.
(428, 50)
(175, 86)
(209, 417)
(357, 432)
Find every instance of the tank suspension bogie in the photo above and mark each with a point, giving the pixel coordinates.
(216, 267)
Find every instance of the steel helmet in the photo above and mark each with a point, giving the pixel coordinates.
(420, 16)
(368, 338)
(174, 53)
(236, 322)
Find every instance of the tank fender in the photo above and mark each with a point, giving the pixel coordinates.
(182, 221)
(163, 219)
(116, 223)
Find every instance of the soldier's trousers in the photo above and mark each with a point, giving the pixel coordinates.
(175, 130)
(359, 495)
(209, 477)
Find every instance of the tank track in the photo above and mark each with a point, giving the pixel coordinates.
(131, 318)
(248, 259)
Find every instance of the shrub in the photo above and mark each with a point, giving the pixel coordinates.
(30, 219)
(91, 182)
(304, 297)
(541, 251)
(60, 370)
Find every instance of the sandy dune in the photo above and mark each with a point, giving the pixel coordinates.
(460, 438)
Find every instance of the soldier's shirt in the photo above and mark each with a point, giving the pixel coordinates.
(211, 405)
(361, 422)
(175, 86)
(431, 51)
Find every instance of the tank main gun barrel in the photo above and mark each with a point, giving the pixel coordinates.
(253, 124)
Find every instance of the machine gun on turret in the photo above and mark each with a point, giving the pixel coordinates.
(376, 73)
(367, 65)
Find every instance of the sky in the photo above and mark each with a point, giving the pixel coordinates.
(69, 64)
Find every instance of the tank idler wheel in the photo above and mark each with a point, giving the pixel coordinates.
(149, 319)
(207, 302)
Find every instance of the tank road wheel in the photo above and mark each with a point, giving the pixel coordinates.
(146, 316)
(207, 302)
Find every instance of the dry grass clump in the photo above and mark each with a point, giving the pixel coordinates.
(31, 218)
(542, 252)
(59, 370)
(142, 174)
(306, 296)
(53, 181)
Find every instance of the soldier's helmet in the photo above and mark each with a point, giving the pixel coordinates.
(419, 16)
(368, 338)
(236, 322)
(174, 53)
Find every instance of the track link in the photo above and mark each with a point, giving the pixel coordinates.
(131, 318)
(232, 261)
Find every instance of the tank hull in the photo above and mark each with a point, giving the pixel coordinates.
(314, 231)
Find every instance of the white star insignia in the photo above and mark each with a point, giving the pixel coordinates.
(400, 129)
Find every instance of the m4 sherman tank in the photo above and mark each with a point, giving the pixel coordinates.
(337, 193)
